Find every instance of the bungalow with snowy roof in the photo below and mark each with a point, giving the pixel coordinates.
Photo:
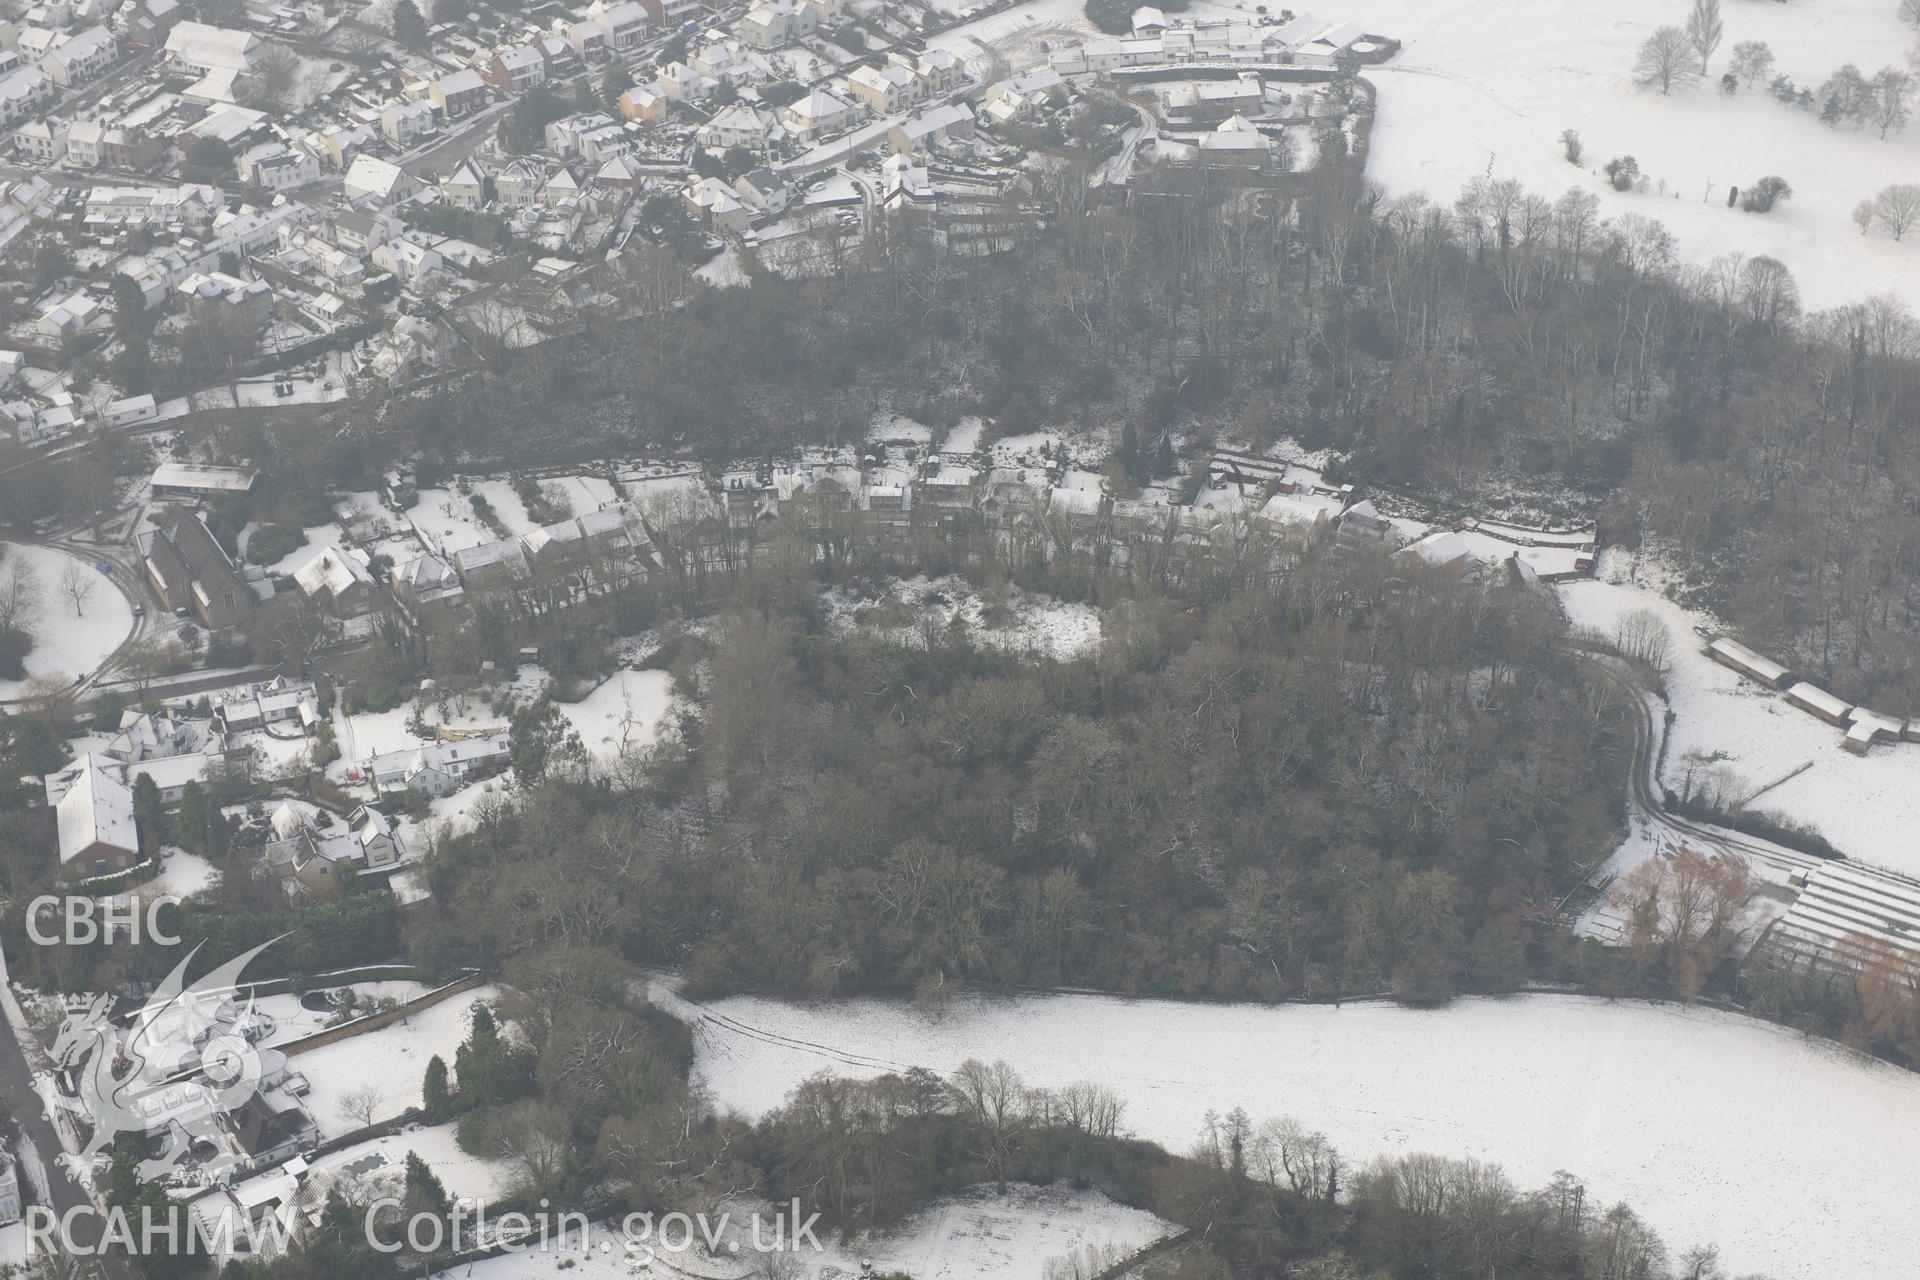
(339, 579)
(1325, 48)
(1235, 144)
(97, 832)
(195, 48)
(440, 768)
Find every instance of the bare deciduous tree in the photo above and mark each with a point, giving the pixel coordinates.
(361, 1106)
(1885, 105)
(1752, 61)
(76, 584)
(1897, 208)
(1704, 30)
(1642, 637)
(20, 597)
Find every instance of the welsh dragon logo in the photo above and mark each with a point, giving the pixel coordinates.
(182, 1061)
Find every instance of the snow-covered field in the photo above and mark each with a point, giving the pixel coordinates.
(1028, 622)
(981, 1235)
(464, 1176)
(1487, 86)
(1715, 1126)
(627, 711)
(67, 643)
(1868, 806)
(392, 1061)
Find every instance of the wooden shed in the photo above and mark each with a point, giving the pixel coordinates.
(1816, 701)
(1754, 666)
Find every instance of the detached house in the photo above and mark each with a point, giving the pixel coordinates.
(406, 123)
(440, 768)
(465, 187)
(739, 124)
(188, 569)
(339, 579)
(97, 832)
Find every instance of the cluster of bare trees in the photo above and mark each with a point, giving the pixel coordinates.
(1894, 210)
(1669, 56)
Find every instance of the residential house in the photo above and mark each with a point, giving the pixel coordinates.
(426, 580)
(515, 70)
(95, 818)
(407, 260)
(309, 861)
(371, 178)
(197, 48)
(492, 566)
(670, 14)
(931, 127)
(276, 703)
(644, 103)
(22, 93)
(939, 71)
(42, 142)
(458, 93)
(465, 187)
(764, 191)
(215, 294)
(81, 57)
(884, 90)
(440, 768)
(188, 569)
(278, 167)
(714, 205)
(147, 735)
(339, 579)
(624, 25)
(681, 83)
(191, 480)
(559, 55)
(775, 24)
(589, 40)
(405, 124)
(820, 114)
(739, 124)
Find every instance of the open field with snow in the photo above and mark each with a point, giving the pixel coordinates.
(981, 1235)
(1487, 86)
(65, 642)
(1868, 806)
(1713, 1125)
(628, 710)
(1025, 622)
(392, 1060)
